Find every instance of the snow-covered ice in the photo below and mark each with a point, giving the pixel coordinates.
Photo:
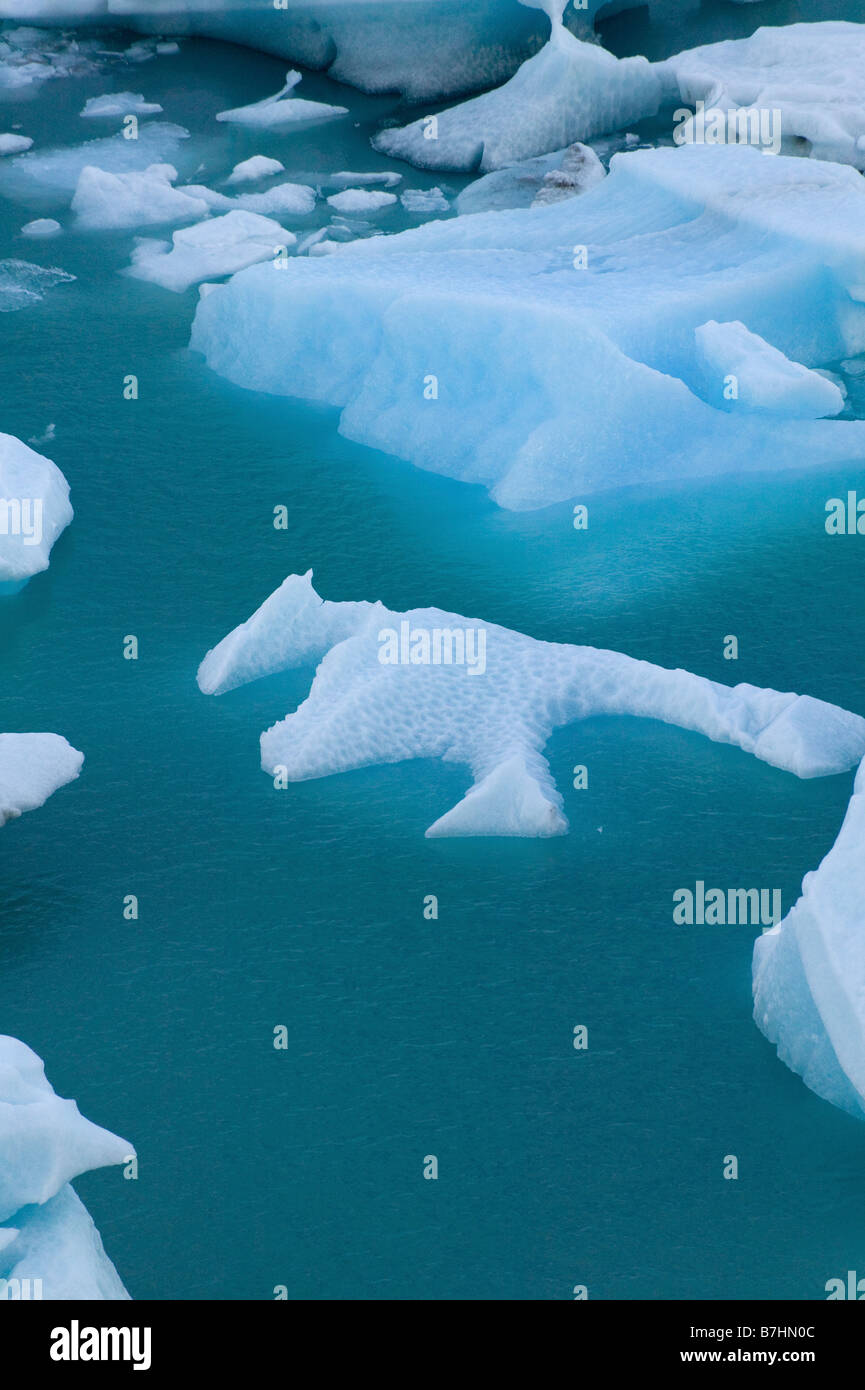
(45, 1142)
(120, 104)
(32, 768)
(430, 684)
(142, 198)
(282, 109)
(361, 200)
(219, 246)
(562, 336)
(764, 379)
(258, 166)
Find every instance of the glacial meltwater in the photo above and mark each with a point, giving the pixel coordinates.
(303, 907)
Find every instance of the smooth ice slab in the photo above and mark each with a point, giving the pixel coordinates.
(47, 1234)
(282, 110)
(549, 352)
(209, 250)
(34, 507)
(32, 768)
(752, 375)
(430, 684)
(119, 104)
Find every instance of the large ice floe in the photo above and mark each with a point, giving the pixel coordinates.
(219, 246)
(423, 48)
(49, 1246)
(32, 768)
(34, 509)
(562, 339)
(430, 684)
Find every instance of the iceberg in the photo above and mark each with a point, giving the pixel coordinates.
(361, 200)
(809, 971)
(217, 247)
(810, 74)
(103, 200)
(764, 378)
(32, 768)
(34, 508)
(47, 1237)
(431, 684)
(568, 92)
(259, 166)
(281, 109)
(561, 338)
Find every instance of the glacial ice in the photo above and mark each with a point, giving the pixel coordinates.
(32, 768)
(568, 92)
(561, 337)
(34, 507)
(143, 198)
(258, 166)
(281, 109)
(811, 74)
(55, 173)
(809, 971)
(14, 144)
(764, 378)
(361, 200)
(422, 202)
(120, 104)
(519, 185)
(47, 1233)
(41, 227)
(494, 715)
(217, 247)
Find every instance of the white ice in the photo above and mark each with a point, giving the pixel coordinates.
(561, 337)
(281, 109)
(258, 166)
(54, 173)
(762, 377)
(497, 718)
(45, 1142)
(361, 200)
(120, 104)
(424, 201)
(34, 508)
(145, 198)
(41, 227)
(219, 246)
(32, 768)
(14, 144)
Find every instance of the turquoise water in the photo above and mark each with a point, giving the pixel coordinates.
(304, 907)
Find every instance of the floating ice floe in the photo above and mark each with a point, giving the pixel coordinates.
(568, 92)
(259, 166)
(345, 179)
(424, 201)
(534, 182)
(803, 79)
(764, 378)
(139, 199)
(34, 509)
(32, 768)
(281, 109)
(14, 144)
(30, 56)
(430, 684)
(49, 1246)
(23, 284)
(361, 200)
(561, 338)
(220, 246)
(41, 227)
(120, 104)
(53, 174)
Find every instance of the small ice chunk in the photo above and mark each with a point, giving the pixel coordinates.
(40, 227)
(120, 104)
(281, 109)
(54, 173)
(361, 200)
(344, 179)
(217, 247)
(34, 510)
(167, 48)
(14, 144)
(23, 284)
(285, 199)
(424, 200)
(139, 199)
(259, 166)
(32, 768)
